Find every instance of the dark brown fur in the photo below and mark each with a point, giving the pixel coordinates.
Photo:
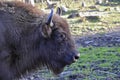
(24, 48)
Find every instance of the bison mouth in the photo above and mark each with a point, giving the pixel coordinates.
(58, 67)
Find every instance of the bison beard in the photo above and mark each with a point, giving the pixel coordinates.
(29, 39)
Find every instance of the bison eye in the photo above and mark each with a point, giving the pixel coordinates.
(60, 37)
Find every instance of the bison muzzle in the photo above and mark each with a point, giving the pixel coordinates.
(30, 38)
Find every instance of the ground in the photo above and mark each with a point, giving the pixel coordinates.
(111, 38)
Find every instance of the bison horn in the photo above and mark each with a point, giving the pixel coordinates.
(49, 20)
(59, 11)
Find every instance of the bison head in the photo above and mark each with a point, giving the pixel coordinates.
(58, 49)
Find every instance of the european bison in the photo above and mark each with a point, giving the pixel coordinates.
(30, 38)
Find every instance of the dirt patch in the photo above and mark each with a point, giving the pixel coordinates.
(109, 39)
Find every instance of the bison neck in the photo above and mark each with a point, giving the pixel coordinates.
(28, 54)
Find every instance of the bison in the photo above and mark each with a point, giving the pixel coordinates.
(30, 38)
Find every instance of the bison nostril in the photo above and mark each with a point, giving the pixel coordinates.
(77, 56)
(71, 58)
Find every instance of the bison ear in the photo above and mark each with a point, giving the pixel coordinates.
(46, 29)
(59, 11)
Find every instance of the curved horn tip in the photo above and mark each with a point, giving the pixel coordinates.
(50, 17)
(58, 11)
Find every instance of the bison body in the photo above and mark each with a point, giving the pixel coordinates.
(30, 38)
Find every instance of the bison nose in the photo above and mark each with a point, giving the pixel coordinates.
(76, 56)
(71, 58)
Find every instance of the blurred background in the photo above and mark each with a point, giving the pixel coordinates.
(93, 16)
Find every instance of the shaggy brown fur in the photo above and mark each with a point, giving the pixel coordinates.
(23, 47)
